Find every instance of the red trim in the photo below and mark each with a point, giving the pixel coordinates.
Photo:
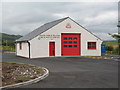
(68, 26)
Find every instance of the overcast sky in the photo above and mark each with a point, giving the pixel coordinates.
(21, 18)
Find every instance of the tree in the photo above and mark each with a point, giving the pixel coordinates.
(117, 37)
(109, 48)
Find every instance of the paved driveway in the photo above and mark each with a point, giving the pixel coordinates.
(73, 72)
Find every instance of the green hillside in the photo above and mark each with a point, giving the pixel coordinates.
(7, 41)
(8, 37)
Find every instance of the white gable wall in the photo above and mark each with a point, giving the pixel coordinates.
(40, 48)
(24, 52)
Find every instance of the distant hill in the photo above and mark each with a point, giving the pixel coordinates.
(8, 37)
(110, 41)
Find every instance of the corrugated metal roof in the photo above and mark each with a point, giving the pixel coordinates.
(40, 30)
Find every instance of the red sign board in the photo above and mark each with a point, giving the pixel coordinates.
(68, 25)
(48, 36)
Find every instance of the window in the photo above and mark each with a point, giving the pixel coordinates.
(65, 38)
(65, 45)
(74, 38)
(70, 41)
(70, 38)
(70, 45)
(65, 41)
(20, 46)
(75, 45)
(75, 41)
(91, 45)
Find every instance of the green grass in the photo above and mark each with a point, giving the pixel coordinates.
(22, 79)
(7, 48)
(113, 44)
(10, 62)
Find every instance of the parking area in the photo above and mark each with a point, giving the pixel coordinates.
(72, 72)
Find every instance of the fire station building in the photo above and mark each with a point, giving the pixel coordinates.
(63, 37)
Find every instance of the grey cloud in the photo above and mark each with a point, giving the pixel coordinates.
(21, 18)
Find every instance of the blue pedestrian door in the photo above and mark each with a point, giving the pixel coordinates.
(103, 48)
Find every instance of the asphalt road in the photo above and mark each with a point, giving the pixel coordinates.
(72, 72)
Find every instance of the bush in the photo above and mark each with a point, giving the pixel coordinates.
(116, 50)
(112, 50)
(109, 48)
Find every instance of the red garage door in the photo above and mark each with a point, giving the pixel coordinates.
(70, 44)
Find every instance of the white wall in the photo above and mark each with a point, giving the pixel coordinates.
(40, 48)
(24, 52)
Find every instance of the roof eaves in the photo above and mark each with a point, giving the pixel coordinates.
(20, 41)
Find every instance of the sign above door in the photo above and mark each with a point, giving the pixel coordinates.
(68, 25)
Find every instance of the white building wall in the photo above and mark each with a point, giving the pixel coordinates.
(24, 52)
(40, 48)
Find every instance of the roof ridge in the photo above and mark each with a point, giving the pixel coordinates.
(56, 20)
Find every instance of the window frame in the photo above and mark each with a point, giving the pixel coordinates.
(75, 45)
(65, 42)
(70, 46)
(75, 42)
(66, 46)
(70, 38)
(20, 46)
(65, 38)
(75, 38)
(90, 45)
(70, 42)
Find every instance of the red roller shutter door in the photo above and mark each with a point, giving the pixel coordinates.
(70, 44)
